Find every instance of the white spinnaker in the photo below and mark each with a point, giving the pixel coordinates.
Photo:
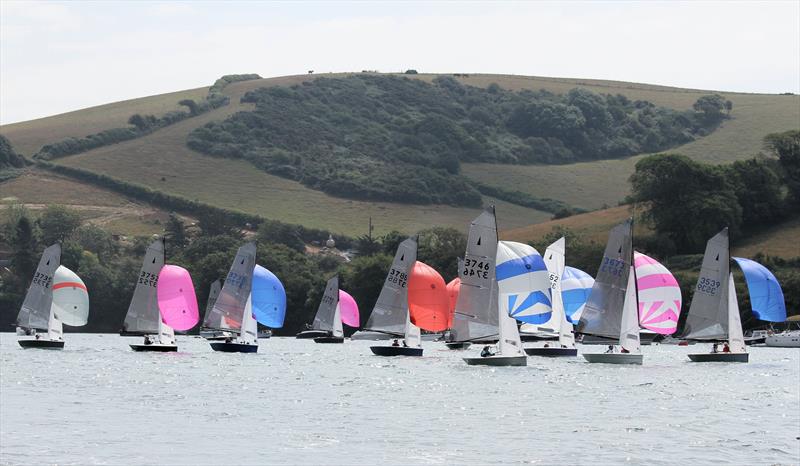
(509, 343)
(735, 334)
(412, 334)
(70, 298)
(337, 330)
(629, 327)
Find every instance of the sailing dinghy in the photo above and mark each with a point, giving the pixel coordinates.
(213, 292)
(714, 313)
(475, 316)
(554, 260)
(233, 310)
(611, 310)
(519, 283)
(336, 308)
(388, 318)
(144, 317)
(58, 298)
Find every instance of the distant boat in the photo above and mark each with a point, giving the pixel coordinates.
(144, 317)
(268, 300)
(714, 312)
(388, 318)
(788, 339)
(611, 310)
(233, 310)
(554, 258)
(213, 292)
(516, 292)
(475, 315)
(56, 297)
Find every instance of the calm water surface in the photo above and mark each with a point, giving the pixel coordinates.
(295, 401)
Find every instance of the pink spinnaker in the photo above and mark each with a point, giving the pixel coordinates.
(659, 295)
(348, 309)
(176, 299)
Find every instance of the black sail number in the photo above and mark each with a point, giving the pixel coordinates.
(476, 268)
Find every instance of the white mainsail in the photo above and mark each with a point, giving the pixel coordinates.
(143, 316)
(336, 328)
(554, 260)
(229, 309)
(412, 337)
(249, 334)
(708, 314)
(509, 342)
(325, 317)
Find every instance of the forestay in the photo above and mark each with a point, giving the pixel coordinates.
(766, 295)
(391, 310)
(576, 286)
(659, 295)
(177, 300)
(143, 316)
(603, 312)
(70, 298)
(523, 283)
(268, 298)
(229, 308)
(476, 314)
(708, 314)
(328, 307)
(35, 310)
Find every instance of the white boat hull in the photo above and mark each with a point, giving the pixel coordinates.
(614, 358)
(784, 340)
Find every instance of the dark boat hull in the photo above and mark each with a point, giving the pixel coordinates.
(719, 357)
(309, 334)
(552, 352)
(234, 348)
(329, 340)
(395, 351)
(155, 348)
(458, 345)
(498, 361)
(43, 344)
(614, 358)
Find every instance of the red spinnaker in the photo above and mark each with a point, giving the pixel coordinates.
(428, 303)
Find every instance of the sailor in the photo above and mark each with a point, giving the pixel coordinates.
(486, 351)
(147, 340)
(563, 346)
(37, 336)
(228, 339)
(624, 350)
(726, 348)
(547, 345)
(610, 349)
(404, 344)
(714, 348)
(395, 343)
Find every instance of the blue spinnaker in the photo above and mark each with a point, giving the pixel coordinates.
(268, 298)
(576, 285)
(766, 296)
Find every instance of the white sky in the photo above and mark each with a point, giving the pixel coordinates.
(61, 56)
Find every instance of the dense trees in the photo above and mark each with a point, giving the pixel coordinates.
(8, 157)
(402, 140)
(786, 146)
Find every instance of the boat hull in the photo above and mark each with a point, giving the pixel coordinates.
(497, 361)
(552, 352)
(43, 344)
(458, 345)
(155, 348)
(234, 348)
(373, 336)
(719, 357)
(395, 351)
(329, 340)
(309, 334)
(784, 340)
(613, 358)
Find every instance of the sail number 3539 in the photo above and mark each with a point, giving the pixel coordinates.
(708, 286)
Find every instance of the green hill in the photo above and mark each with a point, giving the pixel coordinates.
(162, 160)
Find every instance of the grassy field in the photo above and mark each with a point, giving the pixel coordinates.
(161, 160)
(35, 189)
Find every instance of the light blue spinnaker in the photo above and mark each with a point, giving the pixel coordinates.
(576, 285)
(766, 296)
(268, 298)
(523, 282)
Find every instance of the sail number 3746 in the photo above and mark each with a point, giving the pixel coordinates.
(474, 268)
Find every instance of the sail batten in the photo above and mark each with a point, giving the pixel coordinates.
(390, 312)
